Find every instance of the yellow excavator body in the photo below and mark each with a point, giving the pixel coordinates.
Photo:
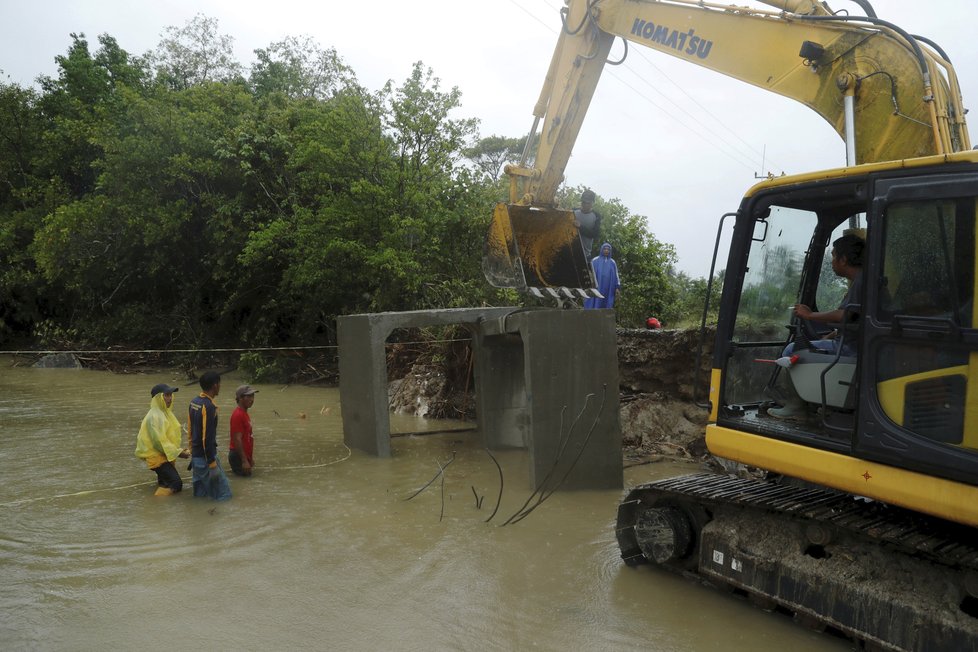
(874, 476)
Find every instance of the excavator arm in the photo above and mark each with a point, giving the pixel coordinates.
(890, 95)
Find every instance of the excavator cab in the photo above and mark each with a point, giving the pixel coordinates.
(537, 251)
(906, 398)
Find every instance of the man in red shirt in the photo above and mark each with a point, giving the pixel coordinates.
(241, 451)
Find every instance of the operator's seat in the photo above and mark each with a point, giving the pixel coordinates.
(806, 376)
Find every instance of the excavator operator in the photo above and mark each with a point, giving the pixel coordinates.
(847, 262)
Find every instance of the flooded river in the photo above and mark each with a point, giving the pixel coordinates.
(320, 549)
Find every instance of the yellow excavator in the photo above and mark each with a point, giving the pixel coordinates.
(859, 513)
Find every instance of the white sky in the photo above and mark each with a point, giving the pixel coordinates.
(651, 135)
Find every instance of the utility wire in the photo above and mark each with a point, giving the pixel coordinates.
(188, 479)
(746, 158)
(682, 90)
(225, 350)
(215, 350)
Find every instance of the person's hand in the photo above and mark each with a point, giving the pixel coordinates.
(184, 453)
(803, 311)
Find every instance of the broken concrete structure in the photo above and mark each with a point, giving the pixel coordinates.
(545, 381)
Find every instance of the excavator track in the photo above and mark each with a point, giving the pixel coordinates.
(884, 576)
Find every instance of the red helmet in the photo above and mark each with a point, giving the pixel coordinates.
(652, 323)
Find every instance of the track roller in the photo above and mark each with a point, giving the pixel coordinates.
(664, 534)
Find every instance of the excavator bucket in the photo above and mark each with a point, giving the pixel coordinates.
(537, 251)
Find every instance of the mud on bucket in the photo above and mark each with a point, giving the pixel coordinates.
(529, 247)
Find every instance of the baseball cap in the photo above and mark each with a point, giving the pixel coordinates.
(164, 388)
(244, 390)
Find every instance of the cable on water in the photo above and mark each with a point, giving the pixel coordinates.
(312, 466)
(24, 501)
(499, 498)
(523, 512)
(441, 470)
(189, 479)
(561, 444)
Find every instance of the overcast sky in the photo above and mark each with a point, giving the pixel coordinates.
(674, 142)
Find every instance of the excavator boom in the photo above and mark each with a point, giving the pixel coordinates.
(888, 94)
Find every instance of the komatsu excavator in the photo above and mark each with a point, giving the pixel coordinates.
(866, 518)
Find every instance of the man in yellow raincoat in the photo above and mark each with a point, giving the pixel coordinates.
(158, 442)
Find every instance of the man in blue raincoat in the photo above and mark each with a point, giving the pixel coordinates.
(606, 276)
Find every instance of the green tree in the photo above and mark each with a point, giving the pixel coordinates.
(691, 296)
(22, 205)
(77, 104)
(424, 222)
(163, 228)
(489, 154)
(195, 54)
(299, 68)
(316, 252)
(49, 152)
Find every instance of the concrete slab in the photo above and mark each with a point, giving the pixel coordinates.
(545, 380)
(363, 367)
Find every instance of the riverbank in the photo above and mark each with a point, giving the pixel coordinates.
(663, 381)
(660, 386)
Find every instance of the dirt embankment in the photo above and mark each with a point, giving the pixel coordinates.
(658, 387)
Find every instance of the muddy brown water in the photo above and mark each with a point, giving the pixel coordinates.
(320, 549)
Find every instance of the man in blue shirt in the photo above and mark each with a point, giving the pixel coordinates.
(588, 221)
(208, 477)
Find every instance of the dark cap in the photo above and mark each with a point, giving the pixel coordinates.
(244, 390)
(164, 388)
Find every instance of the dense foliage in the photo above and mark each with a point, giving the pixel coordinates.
(178, 199)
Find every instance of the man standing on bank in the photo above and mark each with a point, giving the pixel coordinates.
(209, 478)
(588, 222)
(606, 276)
(241, 451)
(158, 441)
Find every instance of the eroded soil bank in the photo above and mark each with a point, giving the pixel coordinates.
(661, 379)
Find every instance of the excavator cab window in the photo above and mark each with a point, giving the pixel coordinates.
(926, 368)
(928, 261)
(789, 261)
(771, 284)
